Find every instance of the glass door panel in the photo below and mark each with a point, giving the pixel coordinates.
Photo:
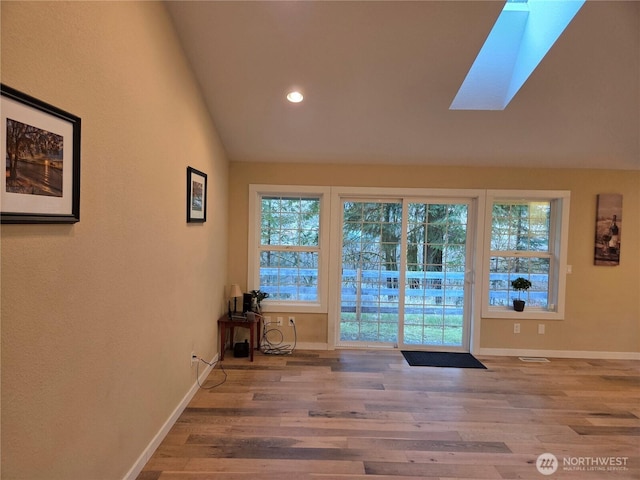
(434, 313)
(403, 280)
(370, 272)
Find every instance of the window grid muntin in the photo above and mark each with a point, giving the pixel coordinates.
(432, 228)
(506, 236)
(371, 251)
(502, 272)
(289, 247)
(283, 222)
(520, 261)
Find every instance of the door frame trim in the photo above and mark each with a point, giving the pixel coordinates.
(474, 235)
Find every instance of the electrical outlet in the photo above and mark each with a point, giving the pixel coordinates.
(516, 328)
(279, 321)
(194, 358)
(541, 328)
(292, 321)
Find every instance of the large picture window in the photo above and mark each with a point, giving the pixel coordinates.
(526, 237)
(286, 254)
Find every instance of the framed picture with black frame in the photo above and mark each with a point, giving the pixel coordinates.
(41, 147)
(196, 196)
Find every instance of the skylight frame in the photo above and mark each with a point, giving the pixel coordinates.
(523, 34)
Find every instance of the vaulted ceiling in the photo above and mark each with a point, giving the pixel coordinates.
(379, 77)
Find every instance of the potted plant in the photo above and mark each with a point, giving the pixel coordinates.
(257, 296)
(520, 284)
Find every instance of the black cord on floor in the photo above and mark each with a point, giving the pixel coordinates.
(211, 365)
(275, 346)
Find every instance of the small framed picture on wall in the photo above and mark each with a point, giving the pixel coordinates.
(196, 196)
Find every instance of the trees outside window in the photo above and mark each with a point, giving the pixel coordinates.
(526, 237)
(520, 248)
(288, 238)
(289, 247)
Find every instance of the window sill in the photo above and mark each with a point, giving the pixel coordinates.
(293, 307)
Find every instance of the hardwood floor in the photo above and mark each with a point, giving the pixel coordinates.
(355, 414)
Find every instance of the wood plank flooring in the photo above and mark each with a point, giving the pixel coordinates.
(355, 414)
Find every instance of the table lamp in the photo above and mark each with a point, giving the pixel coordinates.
(234, 293)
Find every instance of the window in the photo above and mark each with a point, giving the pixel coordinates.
(287, 238)
(526, 237)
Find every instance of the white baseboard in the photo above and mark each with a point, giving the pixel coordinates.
(157, 439)
(508, 352)
(311, 346)
(512, 352)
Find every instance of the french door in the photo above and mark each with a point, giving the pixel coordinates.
(404, 280)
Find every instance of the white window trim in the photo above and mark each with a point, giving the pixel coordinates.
(253, 264)
(558, 230)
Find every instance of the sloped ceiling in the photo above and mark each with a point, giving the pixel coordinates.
(379, 77)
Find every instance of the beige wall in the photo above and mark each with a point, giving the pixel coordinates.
(603, 305)
(99, 318)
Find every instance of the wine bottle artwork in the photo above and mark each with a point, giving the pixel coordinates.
(608, 230)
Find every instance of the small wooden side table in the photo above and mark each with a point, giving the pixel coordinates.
(225, 322)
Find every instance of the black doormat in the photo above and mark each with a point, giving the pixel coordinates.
(442, 359)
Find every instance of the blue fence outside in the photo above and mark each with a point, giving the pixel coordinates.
(376, 291)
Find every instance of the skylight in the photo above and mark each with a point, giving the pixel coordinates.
(522, 35)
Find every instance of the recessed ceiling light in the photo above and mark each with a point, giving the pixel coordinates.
(295, 96)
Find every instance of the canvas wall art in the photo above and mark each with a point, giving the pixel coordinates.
(608, 229)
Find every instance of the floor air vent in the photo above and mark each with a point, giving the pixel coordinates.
(534, 359)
